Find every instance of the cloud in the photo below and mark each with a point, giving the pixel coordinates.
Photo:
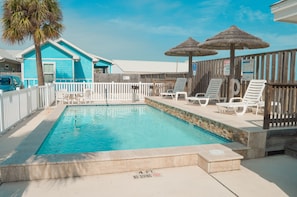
(145, 29)
(153, 5)
(212, 8)
(148, 28)
(245, 14)
(280, 42)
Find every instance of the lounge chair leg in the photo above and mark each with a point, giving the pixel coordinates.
(203, 104)
(244, 108)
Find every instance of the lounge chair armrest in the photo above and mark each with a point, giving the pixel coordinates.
(199, 94)
(236, 99)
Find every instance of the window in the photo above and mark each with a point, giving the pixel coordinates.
(49, 72)
(101, 70)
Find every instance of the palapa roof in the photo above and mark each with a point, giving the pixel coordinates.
(189, 47)
(235, 36)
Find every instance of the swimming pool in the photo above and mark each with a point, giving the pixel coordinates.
(82, 129)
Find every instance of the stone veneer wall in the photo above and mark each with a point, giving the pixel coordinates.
(227, 132)
(255, 142)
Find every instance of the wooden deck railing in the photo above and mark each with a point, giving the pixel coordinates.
(280, 105)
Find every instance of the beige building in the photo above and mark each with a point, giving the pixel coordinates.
(144, 67)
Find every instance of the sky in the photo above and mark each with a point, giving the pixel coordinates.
(146, 29)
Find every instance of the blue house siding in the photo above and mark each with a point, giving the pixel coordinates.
(64, 70)
(70, 63)
(49, 51)
(84, 68)
(50, 54)
(30, 68)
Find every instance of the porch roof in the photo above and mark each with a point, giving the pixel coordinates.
(285, 11)
(6, 55)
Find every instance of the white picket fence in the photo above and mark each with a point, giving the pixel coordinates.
(16, 105)
(114, 91)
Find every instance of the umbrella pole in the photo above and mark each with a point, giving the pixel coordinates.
(231, 76)
(190, 66)
(190, 75)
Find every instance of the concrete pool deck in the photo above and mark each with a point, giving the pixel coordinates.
(25, 165)
(257, 177)
(245, 130)
(271, 176)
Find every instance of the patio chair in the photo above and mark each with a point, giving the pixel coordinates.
(212, 93)
(251, 98)
(87, 97)
(179, 87)
(84, 97)
(61, 96)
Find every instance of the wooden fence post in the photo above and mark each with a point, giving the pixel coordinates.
(267, 107)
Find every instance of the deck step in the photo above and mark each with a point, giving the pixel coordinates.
(291, 149)
(219, 160)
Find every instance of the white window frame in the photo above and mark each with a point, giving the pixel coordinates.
(49, 73)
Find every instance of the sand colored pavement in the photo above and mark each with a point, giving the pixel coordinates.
(186, 181)
(174, 182)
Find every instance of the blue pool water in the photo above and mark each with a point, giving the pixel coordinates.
(82, 129)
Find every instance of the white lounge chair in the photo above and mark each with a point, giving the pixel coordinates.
(212, 93)
(179, 86)
(251, 98)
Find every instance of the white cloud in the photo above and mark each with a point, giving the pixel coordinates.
(212, 8)
(280, 42)
(148, 28)
(139, 35)
(245, 14)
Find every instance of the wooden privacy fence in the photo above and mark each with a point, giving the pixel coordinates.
(280, 105)
(276, 66)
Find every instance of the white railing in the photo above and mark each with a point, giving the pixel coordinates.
(113, 91)
(16, 105)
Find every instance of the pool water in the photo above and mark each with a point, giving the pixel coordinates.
(82, 129)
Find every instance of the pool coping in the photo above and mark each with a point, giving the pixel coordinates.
(24, 165)
(249, 141)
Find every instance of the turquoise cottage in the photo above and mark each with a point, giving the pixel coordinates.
(62, 62)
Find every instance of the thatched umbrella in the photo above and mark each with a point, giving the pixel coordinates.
(231, 39)
(189, 48)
